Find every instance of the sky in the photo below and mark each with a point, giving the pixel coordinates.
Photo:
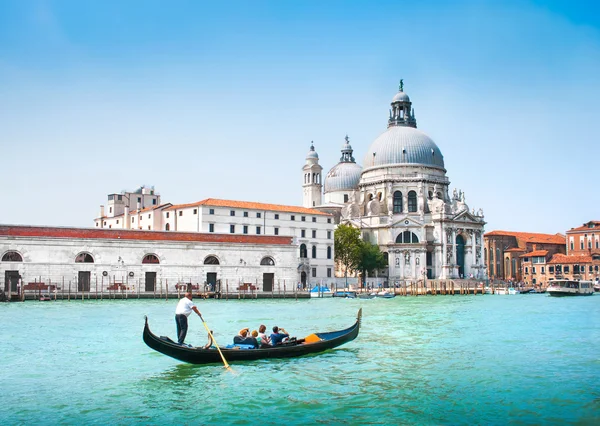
(222, 100)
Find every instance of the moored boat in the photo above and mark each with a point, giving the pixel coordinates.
(570, 288)
(386, 295)
(321, 291)
(345, 293)
(311, 344)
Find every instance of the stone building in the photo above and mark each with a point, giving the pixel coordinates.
(400, 200)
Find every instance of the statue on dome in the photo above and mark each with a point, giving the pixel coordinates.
(401, 85)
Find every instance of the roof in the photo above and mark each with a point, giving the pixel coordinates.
(586, 227)
(133, 212)
(530, 237)
(563, 258)
(514, 249)
(535, 253)
(123, 234)
(249, 205)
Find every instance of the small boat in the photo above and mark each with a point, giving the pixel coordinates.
(311, 344)
(501, 290)
(570, 288)
(321, 291)
(366, 296)
(345, 293)
(45, 298)
(386, 295)
(597, 287)
(512, 290)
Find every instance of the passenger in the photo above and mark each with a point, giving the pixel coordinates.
(278, 335)
(243, 339)
(265, 341)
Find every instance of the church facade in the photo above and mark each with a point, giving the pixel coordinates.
(400, 199)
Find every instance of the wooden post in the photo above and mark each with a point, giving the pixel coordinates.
(69, 297)
(227, 289)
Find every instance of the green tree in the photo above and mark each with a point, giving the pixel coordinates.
(371, 259)
(347, 245)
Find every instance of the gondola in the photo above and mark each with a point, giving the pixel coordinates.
(315, 343)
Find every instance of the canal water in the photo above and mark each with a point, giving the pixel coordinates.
(484, 359)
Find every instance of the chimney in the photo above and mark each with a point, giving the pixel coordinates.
(126, 220)
(101, 211)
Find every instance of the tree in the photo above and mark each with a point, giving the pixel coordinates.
(347, 245)
(371, 259)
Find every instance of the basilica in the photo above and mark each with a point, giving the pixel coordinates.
(400, 199)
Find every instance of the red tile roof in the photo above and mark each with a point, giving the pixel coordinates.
(530, 237)
(249, 205)
(563, 258)
(586, 227)
(535, 253)
(122, 234)
(514, 249)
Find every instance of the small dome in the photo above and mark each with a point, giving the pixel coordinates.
(401, 97)
(343, 176)
(403, 145)
(312, 153)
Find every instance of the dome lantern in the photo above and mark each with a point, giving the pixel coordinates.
(401, 113)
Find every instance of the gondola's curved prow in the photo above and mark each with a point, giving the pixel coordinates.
(199, 355)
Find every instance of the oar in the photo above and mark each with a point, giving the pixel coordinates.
(216, 345)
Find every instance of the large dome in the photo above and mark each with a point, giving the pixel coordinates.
(403, 145)
(343, 177)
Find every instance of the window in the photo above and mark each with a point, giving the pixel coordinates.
(231, 212)
(566, 269)
(154, 202)
(232, 229)
(329, 235)
(276, 231)
(267, 261)
(345, 198)
(572, 246)
(110, 209)
(329, 252)
(245, 229)
(407, 237)
(314, 252)
(84, 258)
(195, 211)
(551, 269)
(303, 234)
(276, 215)
(105, 222)
(149, 227)
(180, 213)
(132, 220)
(526, 270)
(328, 220)
(314, 219)
(211, 211)
(314, 272)
(211, 227)
(141, 217)
(303, 218)
(110, 226)
(149, 216)
(258, 230)
(412, 202)
(575, 269)
(314, 234)
(96, 223)
(139, 199)
(168, 227)
(13, 256)
(117, 221)
(245, 214)
(167, 215)
(589, 243)
(543, 270)
(581, 244)
(397, 202)
(591, 269)
(303, 251)
(328, 272)
(533, 270)
(292, 217)
(150, 258)
(211, 260)
(258, 215)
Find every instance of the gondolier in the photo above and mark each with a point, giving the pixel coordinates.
(182, 312)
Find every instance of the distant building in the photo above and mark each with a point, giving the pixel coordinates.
(584, 240)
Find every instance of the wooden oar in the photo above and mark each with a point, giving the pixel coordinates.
(216, 345)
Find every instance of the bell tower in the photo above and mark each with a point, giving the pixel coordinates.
(311, 183)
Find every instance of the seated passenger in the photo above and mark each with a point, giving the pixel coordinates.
(243, 339)
(278, 335)
(264, 339)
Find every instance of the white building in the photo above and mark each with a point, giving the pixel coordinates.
(400, 200)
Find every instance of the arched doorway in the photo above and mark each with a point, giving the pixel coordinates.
(303, 279)
(460, 255)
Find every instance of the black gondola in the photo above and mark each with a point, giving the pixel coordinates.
(300, 347)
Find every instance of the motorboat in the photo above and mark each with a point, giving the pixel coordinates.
(385, 295)
(560, 288)
(345, 293)
(321, 291)
(512, 290)
(366, 296)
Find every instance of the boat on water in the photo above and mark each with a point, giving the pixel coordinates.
(385, 295)
(512, 290)
(321, 291)
(366, 296)
(570, 288)
(597, 287)
(311, 344)
(345, 293)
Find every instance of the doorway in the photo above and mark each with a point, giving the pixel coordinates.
(150, 281)
(83, 283)
(303, 279)
(460, 255)
(268, 279)
(211, 280)
(11, 280)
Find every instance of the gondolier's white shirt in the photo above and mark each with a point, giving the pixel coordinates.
(184, 307)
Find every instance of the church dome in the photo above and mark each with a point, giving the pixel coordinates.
(403, 145)
(401, 97)
(343, 176)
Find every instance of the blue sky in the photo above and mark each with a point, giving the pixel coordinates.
(222, 100)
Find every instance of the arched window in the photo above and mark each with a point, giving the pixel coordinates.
(211, 260)
(329, 252)
(397, 202)
(12, 256)
(267, 261)
(84, 258)
(168, 227)
(485, 255)
(407, 237)
(412, 202)
(303, 251)
(150, 258)
(386, 258)
(314, 252)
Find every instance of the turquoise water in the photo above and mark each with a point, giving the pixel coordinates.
(525, 359)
